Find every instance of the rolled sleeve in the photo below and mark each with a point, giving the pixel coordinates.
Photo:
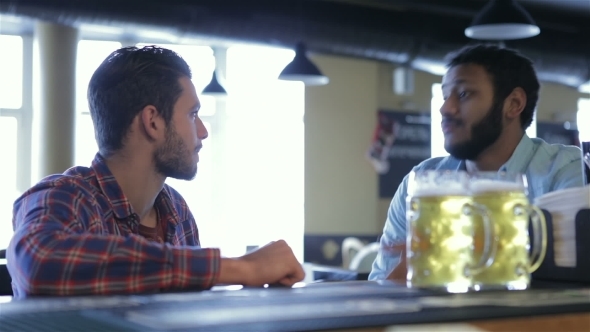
(571, 174)
(394, 232)
(61, 247)
(195, 267)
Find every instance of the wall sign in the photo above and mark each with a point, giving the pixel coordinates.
(401, 141)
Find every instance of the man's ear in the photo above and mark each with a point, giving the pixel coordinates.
(515, 103)
(152, 123)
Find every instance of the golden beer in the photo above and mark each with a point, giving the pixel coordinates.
(440, 232)
(509, 209)
(440, 241)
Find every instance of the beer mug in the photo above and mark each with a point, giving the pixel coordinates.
(505, 197)
(440, 232)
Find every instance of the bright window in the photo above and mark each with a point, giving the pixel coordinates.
(264, 152)
(8, 189)
(11, 72)
(11, 114)
(583, 119)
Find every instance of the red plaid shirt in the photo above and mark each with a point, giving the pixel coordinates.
(76, 234)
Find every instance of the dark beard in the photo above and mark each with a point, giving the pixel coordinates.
(483, 134)
(172, 159)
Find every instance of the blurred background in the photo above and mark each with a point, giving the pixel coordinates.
(285, 158)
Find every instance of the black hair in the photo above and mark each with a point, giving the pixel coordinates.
(127, 81)
(508, 70)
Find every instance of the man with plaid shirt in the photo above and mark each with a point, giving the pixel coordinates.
(115, 227)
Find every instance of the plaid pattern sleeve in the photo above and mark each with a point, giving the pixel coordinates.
(64, 245)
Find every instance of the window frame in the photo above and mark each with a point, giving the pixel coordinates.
(24, 123)
(24, 117)
(583, 131)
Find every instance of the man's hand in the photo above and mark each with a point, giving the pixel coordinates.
(274, 263)
(400, 271)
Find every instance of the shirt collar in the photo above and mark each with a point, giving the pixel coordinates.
(111, 189)
(518, 162)
(119, 203)
(521, 157)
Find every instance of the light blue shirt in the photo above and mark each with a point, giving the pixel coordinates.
(548, 167)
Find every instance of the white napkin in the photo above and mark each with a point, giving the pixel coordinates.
(563, 206)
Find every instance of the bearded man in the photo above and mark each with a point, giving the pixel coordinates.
(116, 227)
(490, 95)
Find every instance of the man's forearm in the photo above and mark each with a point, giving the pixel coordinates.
(62, 263)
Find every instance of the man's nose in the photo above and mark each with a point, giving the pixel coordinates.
(449, 107)
(202, 132)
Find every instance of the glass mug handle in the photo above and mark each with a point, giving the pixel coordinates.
(490, 245)
(540, 233)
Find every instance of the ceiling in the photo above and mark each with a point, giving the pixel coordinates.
(413, 32)
(561, 7)
(578, 7)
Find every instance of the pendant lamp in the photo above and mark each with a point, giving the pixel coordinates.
(302, 69)
(214, 88)
(502, 20)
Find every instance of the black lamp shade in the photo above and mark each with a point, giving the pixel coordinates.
(502, 20)
(302, 69)
(214, 88)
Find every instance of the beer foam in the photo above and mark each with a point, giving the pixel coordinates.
(488, 185)
(446, 189)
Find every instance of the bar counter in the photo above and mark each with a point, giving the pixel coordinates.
(339, 306)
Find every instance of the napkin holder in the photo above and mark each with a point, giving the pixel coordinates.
(548, 271)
